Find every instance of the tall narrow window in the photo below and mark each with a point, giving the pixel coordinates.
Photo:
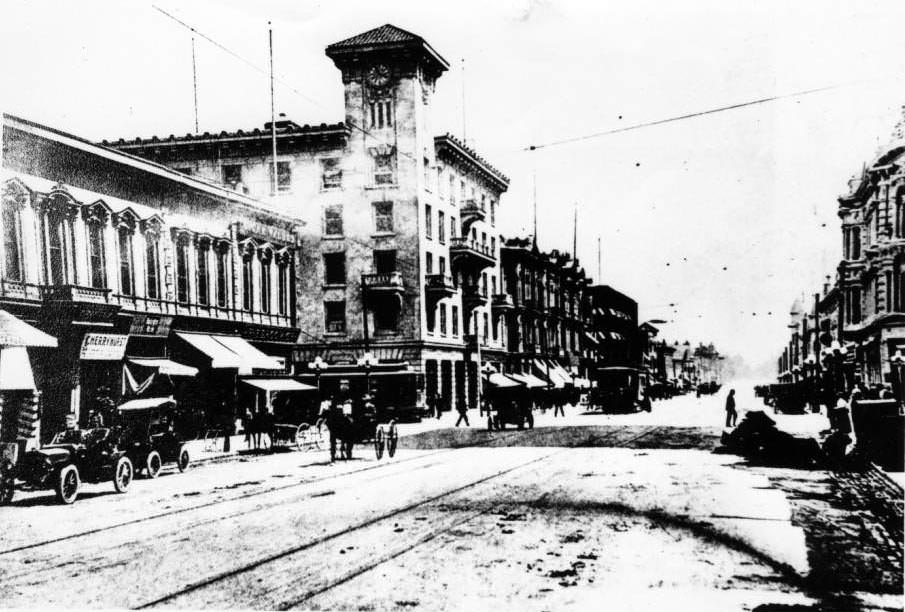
(152, 265)
(335, 317)
(201, 269)
(182, 270)
(441, 227)
(331, 173)
(455, 320)
(428, 221)
(283, 286)
(56, 241)
(12, 242)
(385, 261)
(126, 286)
(247, 286)
(856, 243)
(428, 263)
(889, 292)
(96, 255)
(284, 176)
(265, 282)
(443, 319)
(335, 268)
(383, 217)
(333, 220)
(222, 278)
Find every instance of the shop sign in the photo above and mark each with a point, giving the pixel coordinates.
(105, 347)
(150, 325)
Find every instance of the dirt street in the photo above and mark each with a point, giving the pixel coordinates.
(591, 511)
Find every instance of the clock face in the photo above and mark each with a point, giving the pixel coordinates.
(379, 75)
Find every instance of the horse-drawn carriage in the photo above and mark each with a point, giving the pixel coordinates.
(362, 423)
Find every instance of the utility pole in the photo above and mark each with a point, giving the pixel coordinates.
(195, 84)
(273, 120)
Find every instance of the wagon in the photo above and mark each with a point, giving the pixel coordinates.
(509, 402)
(303, 436)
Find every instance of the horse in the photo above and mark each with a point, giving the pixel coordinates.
(341, 428)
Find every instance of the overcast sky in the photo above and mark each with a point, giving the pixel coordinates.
(728, 216)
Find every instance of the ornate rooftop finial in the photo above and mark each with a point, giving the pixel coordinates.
(898, 132)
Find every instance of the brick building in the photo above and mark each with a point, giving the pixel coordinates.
(152, 281)
(401, 257)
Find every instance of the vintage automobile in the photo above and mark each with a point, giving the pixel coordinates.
(508, 401)
(147, 435)
(75, 456)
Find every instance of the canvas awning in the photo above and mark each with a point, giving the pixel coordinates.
(545, 373)
(501, 381)
(15, 369)
(16, 332)
(278, 384)
(145, 403)
(558, 371)
(231, 352)
(591, 338)
(164, 366)
(529, 380)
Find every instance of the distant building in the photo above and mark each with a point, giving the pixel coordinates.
(401, 256)
(152, 281)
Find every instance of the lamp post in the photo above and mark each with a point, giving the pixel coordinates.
(318, 365)
(367, 361)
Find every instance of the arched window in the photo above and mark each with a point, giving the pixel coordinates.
(126, 280)
(12, 241)
(247, 282)
(203, 272)
(58, 241)
(222, 274)
(283, 283)
(152, 265)
(265, 258)
(96, 256)
(856, 243)
(182, 268)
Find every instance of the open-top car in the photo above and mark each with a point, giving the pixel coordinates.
(148, 437)
(73, 457)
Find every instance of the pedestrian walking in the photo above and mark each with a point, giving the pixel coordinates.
(731, 414)
(462, 409)
(558, 406)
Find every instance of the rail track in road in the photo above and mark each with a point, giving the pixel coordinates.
(235, 498)
(221, 577)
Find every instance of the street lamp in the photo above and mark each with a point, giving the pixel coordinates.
(367, 361)
(318, 365)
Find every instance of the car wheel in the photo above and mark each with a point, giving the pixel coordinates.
(183, 462)
(379, 442)
(153, 464)
(122, 474)
(67, 485)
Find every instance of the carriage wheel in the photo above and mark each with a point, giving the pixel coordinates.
(379, 441)
(302, 435)
(392, 438)
(183, 461)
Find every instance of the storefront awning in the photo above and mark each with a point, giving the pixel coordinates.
(545, 373)
(278, 384)
(590, 338)
(231, 352)
(16, 332)
(529, 380)
(165, 366)
(502, 381)
(558, 371)
(15, 369)
(145, 403)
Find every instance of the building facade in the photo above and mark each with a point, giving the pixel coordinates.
(545, 308)
(400, 260)
(151, 281)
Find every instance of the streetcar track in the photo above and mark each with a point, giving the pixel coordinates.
(225, 575)
(241, 497)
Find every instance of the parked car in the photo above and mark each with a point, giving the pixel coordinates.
(73, 457)
(147, 435)
(510, 411)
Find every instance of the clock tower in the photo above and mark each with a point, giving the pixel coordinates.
(389, 76)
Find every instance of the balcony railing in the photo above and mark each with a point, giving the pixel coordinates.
(439, 286)
(502, 301)
(14, 290)
(384, 281)
(75, 293)
(464, 250)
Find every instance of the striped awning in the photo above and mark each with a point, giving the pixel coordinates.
(16, 332)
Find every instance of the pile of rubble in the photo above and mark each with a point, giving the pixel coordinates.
(758, 439)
